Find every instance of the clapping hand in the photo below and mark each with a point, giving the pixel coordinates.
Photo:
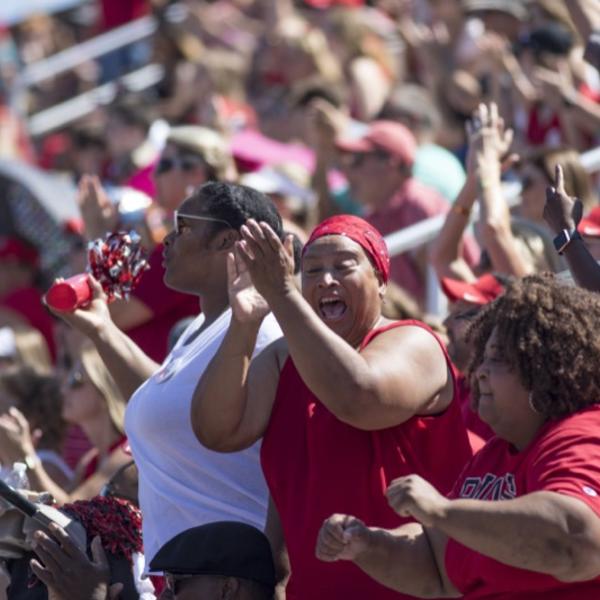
(561, 211)
(245, 301)
(342, 537)
(270, 262)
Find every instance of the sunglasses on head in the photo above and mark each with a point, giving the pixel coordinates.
(179, 215)
(183, 163)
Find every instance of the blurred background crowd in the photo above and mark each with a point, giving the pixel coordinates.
(112, 111)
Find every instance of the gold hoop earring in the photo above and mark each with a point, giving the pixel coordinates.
(532, 405)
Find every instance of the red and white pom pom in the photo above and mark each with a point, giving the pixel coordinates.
(117, 262)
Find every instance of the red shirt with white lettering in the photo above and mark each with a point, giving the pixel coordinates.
(564, 458)
(316, 465)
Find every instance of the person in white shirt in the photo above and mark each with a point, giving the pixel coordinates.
(182, 484)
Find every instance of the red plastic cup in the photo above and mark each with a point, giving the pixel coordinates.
(70, 294)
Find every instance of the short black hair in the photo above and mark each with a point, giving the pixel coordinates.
(235, 204)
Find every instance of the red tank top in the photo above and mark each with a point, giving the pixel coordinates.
(316, 465)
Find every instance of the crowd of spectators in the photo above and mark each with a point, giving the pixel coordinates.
(277, 410)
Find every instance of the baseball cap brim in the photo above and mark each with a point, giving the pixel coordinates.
(589, 229)
(482, 291)
(456, 290)
(518, 11)
(355, 145)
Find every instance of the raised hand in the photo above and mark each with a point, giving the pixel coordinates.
(325, 123)
(561, 211)
(16, 441)
(269, 261)
(412, 496)
(245, 301)
(98, 212)
(489, 141)
(342, 537)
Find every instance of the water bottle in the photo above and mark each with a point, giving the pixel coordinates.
(17, 477)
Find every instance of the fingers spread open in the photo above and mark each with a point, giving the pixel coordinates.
(271, 237)
(51, 554)
(67, 544)
(243, 251)
(251, 241)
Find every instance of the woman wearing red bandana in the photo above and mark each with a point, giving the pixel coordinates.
(345, 402)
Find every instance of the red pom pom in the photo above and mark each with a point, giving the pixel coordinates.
(117, 262)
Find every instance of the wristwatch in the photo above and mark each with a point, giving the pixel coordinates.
(564, 238)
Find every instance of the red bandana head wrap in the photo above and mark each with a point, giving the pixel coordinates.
(359, 231)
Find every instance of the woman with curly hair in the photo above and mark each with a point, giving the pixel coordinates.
(523, 520)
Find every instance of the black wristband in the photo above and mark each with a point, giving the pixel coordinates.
(564, 238)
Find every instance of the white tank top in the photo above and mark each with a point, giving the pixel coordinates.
(181, 483)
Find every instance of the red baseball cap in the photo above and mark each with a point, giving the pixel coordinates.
(482, 291)
(590, 225)
(389, 136)
(14, 248)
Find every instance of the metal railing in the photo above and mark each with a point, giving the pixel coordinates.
(66, 112)
(100, 45)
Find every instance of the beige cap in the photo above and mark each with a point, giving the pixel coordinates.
(207, 143)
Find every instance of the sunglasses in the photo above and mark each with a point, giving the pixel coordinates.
(179, 215)
(75, 379)
(183, 163)
(356, 159)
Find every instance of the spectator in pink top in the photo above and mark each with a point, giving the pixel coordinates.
(378, 167)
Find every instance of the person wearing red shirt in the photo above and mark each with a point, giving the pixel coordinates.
(523, 520)
(378, 166)
(345, 402)
(20, 300)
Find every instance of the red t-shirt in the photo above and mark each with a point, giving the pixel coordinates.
(565, 458)
(167, 305)
(28, 303)
(412, 203)
(316, 465)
